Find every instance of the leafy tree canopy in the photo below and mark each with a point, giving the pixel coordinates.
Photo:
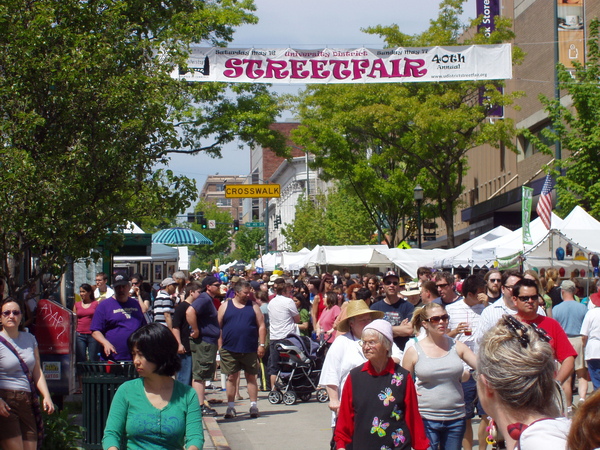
(247, 241)
(221, 236)
(88, 109)
(384, 139)
(577, 128)
(334, 219)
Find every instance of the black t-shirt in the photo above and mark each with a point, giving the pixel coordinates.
(180, 322)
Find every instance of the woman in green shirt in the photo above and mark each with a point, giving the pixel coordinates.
(154, 411)
(303, 306)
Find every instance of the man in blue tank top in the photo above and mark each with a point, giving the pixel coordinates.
(243, 333)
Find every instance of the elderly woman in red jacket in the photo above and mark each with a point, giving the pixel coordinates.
(379, 407)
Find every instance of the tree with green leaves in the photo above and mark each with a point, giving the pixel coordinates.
(221, 236)
(384, 139)
(88, 110)
(334, 219)
(247, 241)
(577, 128)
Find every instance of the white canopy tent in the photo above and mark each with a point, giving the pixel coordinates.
(510, 246)
(409, 260)
(581, 231)
(462, 256)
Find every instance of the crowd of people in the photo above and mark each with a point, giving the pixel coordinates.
(429, 355)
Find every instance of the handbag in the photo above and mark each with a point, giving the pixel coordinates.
(37, 412)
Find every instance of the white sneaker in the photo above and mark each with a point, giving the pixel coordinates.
(254, 412)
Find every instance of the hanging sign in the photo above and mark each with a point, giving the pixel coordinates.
(360, 65)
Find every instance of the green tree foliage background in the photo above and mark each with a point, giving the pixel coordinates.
(334, 219)
(88, 109)
(577, 128)
(384, 139)
(222, 236)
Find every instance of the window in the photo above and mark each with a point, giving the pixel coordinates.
(223, 202)
(529, 148)
(220, 187)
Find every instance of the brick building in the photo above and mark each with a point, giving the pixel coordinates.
(213, 191)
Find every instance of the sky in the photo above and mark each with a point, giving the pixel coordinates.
(310, 24)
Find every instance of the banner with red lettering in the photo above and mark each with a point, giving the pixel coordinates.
(361, 65)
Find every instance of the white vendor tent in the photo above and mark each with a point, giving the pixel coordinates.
(511, 246)
(581, 231)
(462, 256)
(411, 259)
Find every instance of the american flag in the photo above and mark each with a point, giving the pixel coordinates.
(544, 206)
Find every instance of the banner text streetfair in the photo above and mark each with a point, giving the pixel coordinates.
(345, 65)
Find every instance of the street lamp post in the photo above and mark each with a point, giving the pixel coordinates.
(418, 196)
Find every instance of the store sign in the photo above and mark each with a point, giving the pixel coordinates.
(361, 65)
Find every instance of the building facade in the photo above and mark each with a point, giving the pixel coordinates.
(213, 191)
(546, 30)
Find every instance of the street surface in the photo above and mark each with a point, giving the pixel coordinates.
(303, 426)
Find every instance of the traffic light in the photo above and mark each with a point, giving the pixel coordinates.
(203, 223)
(236, 225)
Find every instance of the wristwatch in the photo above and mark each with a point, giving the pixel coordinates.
(262, 345)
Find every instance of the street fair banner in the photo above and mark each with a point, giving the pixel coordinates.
(361, 65)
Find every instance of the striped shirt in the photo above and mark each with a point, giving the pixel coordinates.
(163, 304)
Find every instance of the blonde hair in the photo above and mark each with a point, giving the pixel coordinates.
(533, 274)
(552, 278)
(420, 315)
(519, 368)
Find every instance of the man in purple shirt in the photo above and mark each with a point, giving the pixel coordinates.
(115, 319)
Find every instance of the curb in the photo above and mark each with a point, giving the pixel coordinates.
(215, 433)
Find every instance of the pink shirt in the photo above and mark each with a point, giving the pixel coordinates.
(84, 316)
(327, 319)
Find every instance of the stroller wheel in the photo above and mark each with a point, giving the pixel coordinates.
(289, 398)
(322, 396)
(275, 397)
(305, 397)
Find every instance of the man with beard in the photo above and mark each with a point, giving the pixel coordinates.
(493, 285)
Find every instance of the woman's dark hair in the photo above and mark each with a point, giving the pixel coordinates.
(158, 345)
(88, 288)
(304, 301)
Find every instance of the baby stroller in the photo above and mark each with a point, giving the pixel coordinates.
(301, 360)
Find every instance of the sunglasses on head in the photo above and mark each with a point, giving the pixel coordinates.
(437, 319)
(8, 312)
(526, 298)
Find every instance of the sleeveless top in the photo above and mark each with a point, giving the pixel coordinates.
(84, 316)
(379, 410)
(438, 383)
(240, 330)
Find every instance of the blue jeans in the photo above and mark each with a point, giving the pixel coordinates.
(86, 342)
(185, 374)
(594, 370)
(445, 434)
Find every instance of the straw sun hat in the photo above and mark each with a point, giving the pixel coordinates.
(357, 308)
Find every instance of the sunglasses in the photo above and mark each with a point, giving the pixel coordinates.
(442, 285)
(14, 312)
(498, 280)
(526, 298)
(388, 283)
(438, 319)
